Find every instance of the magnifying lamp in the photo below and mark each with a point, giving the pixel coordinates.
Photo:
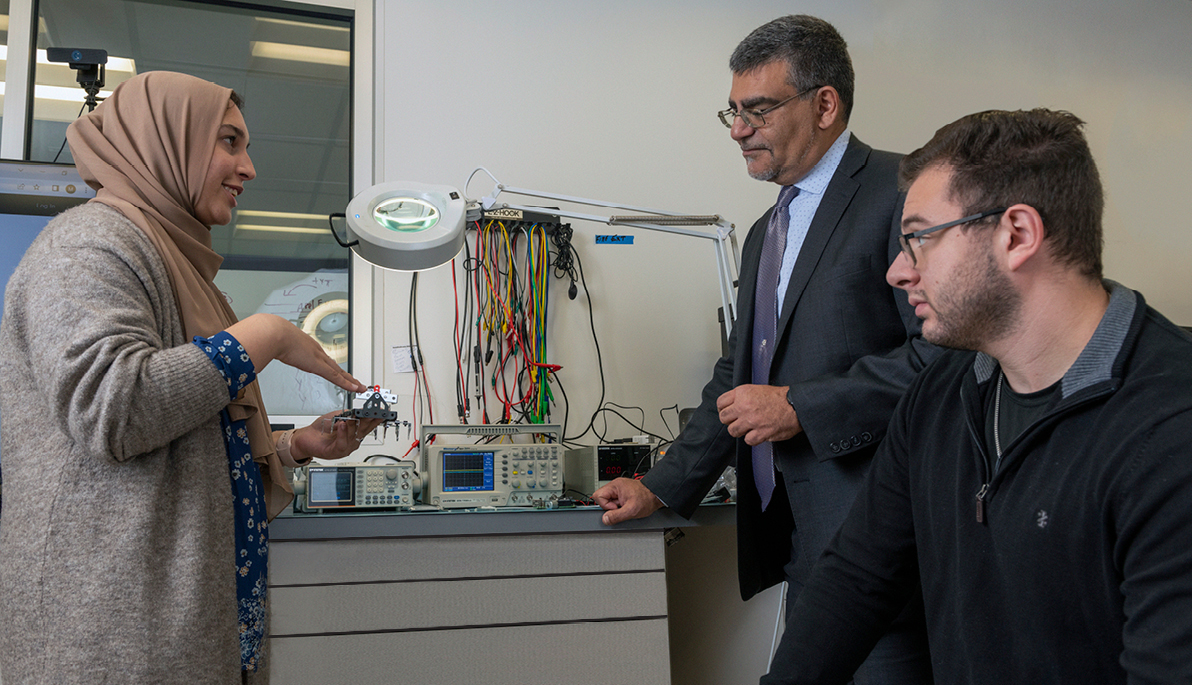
(407, 226)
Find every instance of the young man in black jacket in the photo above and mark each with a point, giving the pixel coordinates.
(1037, 481)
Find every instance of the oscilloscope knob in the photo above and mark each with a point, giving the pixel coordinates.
(391, 474)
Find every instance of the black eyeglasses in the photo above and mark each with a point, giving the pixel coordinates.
(756, 118)
(905, 238)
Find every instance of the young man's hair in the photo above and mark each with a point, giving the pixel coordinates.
(814, 51)
(1038, 158)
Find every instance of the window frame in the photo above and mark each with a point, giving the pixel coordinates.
(364, 159)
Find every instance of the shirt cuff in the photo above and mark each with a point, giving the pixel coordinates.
(230, 359)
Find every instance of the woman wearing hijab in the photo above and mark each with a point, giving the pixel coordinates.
(139, 466)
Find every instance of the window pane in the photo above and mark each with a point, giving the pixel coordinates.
(293, 70)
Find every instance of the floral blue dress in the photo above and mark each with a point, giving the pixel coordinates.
(252, 533)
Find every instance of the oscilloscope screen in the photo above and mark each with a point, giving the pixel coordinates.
(468, 471)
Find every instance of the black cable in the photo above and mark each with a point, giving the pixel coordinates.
(430, 407)
(566, 411)
(469, 305)
(636, 427)
(563, 256)
(368, 459)
(592, 322)
(63, 146)
(582, 496)
(331, 225)
(637, 468)
(640, 428)
(664, 422)
(415, 353)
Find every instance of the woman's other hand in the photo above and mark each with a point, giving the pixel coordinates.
(330, 439)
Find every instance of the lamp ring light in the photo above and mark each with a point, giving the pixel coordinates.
(407, 226)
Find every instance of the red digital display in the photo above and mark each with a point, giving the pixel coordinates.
(622, 461)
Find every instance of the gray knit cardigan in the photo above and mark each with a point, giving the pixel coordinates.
(116, 536)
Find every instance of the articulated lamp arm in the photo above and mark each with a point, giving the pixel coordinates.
(721, 232)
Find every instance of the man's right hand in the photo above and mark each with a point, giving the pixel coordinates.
(625, 499)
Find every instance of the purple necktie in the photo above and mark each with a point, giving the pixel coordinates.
(765, 325)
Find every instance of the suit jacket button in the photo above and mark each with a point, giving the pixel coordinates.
(835, 447)
(856, 441)
(867, 436)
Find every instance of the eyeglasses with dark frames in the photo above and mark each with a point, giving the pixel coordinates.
(756, 118)
(905, 239)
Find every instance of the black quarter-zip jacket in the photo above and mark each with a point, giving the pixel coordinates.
(1071, 564)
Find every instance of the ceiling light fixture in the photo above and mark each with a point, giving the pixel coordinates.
(301, 53)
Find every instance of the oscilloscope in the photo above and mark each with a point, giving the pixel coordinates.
(492, 475)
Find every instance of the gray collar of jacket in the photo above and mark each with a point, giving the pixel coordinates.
(1095, 363)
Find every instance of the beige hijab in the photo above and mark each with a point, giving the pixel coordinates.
(146, 150)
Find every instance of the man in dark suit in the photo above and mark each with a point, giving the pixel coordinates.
(823, 347)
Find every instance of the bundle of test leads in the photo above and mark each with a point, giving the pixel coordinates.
(503, 369)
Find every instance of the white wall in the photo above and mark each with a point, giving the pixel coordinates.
(1120, 66)
(616, 100)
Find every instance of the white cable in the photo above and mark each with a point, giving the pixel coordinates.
(473, 175)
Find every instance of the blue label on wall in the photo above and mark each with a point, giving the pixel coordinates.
(614, 240)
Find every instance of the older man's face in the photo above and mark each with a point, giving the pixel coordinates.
(783, 150)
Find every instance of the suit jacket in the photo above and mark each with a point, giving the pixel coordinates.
(848, 347)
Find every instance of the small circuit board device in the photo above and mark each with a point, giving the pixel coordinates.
(376, 404)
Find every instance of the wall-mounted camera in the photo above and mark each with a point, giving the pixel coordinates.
(89, 63)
